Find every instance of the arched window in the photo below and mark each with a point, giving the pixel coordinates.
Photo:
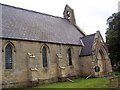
(102, 54)
(69, 56)
(8, 57)
(44, 56)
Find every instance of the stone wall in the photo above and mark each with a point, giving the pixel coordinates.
(101, 53)
(87, 66)
(20, 74)
(0, 64)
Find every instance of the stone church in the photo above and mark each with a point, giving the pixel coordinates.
(38, 48)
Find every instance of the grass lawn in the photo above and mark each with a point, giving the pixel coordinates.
(78, 83)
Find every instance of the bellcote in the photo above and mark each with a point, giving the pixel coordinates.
(69, 14)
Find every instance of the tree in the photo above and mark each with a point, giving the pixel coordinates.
(113, 38)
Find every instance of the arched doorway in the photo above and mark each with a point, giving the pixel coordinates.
(102, 63)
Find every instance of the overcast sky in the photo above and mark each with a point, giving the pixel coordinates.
(91, 15)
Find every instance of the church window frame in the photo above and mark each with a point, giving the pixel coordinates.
(69, 52)
(9, 52)
(44, 57)
(8, 57)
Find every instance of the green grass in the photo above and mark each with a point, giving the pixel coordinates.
(78, 83)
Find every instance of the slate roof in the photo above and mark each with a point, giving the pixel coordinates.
(24, 24)
(88, 43)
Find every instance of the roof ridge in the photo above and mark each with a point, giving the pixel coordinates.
(20, 8)
(89, 35)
